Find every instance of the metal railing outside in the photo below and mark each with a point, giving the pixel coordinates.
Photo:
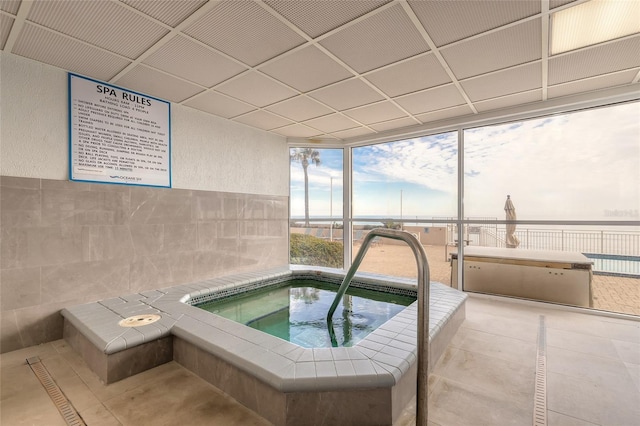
(602, 242)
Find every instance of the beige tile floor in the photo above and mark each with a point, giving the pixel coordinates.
(486, 377)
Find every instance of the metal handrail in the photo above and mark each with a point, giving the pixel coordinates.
(423, 307)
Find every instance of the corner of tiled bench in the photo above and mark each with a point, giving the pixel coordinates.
(114, 352)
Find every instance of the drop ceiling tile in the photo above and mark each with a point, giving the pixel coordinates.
(442, 114)
(347, 94)
(318, 17)
(323, 138)
(300, 108)
(431, 99)
(413, 75)
(262, 120)
(54, 49)
(256, 89)
(505, 48)
(557, 3)
(306, 69)
(375, 113)
(352, 133)
(193, 62)
(381, 39)
(505, 82)
(509, 101)
(245, 31)
(596, 60)
(593, 83)
(10, 6)
(449, 21)
(393, 124)
(332, 123)
(297, 131)
(151, 82)
(101, 23)
(6, 22)
(168, 12)
(217, 104)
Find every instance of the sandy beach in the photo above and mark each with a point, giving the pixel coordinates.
(610, 293)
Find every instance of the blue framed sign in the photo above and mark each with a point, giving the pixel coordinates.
(117, 136)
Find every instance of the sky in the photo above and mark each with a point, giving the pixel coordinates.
(578, 166)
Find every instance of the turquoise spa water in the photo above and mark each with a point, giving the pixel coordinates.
(297, 311)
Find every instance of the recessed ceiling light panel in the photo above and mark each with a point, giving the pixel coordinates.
(593, 22)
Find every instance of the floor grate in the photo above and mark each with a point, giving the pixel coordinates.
(61, 402)
(540, 398)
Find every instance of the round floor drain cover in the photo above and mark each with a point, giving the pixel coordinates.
(139, 320)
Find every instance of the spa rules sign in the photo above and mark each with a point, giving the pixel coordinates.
(117, 136)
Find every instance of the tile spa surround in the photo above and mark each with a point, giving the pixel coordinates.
(281, 381)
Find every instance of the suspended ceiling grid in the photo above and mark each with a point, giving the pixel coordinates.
(322, 70)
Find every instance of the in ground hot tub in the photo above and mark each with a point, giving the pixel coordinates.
(296, 311)
(369, 382)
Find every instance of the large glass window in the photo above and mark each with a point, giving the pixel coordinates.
(580, 166)
(407, 185)
(316, 213)
(557, 193)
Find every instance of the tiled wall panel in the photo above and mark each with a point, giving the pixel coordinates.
(64, 243)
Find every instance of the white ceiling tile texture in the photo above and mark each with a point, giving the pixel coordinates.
(432, 99)
(218, 104)
(306, 69)
(504, 82)
(557, 3)
(449, 21)
(352, 133)
(289, 66)
(393, 124)
(501, 49)
(332, 123)
(45, 46)
(158, 84)
(169, 12)
(256, 89)
(10, 6)
(5, 26)
(347, 94)
(104, 24)
(409, 76)
(443, 114)
(379, 40)
(245, 31)
(318, 17)
(300, 108)
(593, 83)
(263, 120)
(176, 57)
(597, 60)
(297, 131)
(382, 111)
(509, 101)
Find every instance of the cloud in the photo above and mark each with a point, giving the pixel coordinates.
(572, 166)
(428, 161)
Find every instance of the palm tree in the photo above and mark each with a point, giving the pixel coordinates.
(305, 156)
